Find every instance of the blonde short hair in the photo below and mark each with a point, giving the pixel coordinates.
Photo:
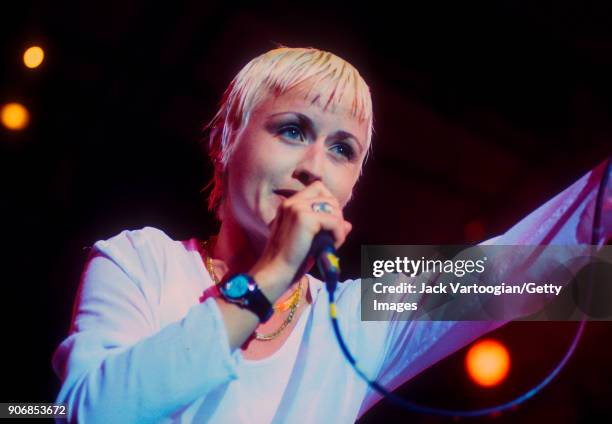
(328, 77)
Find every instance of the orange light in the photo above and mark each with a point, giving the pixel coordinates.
(488, 362)
(14, 116)
(474, 231)
(33, 57)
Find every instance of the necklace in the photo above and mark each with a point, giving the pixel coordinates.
(292, 303)
(292, 309)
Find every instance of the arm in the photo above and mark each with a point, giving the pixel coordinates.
(117, 365)
(567, 219)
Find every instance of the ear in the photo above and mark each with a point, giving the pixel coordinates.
(220, 211)
(221, 208)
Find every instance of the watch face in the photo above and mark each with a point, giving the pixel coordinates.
(236, 287)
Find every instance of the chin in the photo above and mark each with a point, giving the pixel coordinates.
(263, 220)
(269, 217)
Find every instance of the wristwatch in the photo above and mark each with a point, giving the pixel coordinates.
(242, 290)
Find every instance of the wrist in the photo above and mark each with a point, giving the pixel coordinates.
(272, 279)
(242, 290)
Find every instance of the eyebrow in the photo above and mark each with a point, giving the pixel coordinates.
(310, 126)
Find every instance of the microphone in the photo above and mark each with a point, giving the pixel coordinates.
(324, 252)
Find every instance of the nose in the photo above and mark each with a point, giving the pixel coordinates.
(310, 166)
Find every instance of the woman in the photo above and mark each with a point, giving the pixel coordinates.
(164, 331)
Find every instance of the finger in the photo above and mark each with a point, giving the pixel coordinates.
(317, 205)
(315, 189)
(307, 203)
(336, 224)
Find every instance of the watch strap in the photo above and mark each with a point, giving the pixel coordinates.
(258, 303)
(253, 299)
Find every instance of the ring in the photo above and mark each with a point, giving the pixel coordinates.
(322, 207)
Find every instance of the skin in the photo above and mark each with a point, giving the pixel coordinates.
(291, 154)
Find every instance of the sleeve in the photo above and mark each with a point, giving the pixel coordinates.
(566, 219)
(117, 365)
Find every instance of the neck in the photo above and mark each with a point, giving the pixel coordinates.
(236, 248)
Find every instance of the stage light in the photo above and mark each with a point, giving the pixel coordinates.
(487, 362)
(14, 116)
(33, 57)
(474, 231)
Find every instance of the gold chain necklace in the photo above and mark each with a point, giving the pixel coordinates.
(292, 303)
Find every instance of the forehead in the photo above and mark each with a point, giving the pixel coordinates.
(326, 115)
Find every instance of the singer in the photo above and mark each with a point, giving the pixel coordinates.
(233, 329)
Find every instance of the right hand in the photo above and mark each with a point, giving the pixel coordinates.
(292, 232)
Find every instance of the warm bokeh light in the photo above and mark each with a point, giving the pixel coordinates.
(488, 362)
(33, 57)
(14, 116)
(474, 231)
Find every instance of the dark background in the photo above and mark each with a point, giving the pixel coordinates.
(482, 112)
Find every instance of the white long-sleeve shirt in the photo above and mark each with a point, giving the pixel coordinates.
(143, 348)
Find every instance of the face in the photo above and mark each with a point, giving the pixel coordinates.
(288, 143)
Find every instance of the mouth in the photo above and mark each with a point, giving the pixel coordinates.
(286, 193)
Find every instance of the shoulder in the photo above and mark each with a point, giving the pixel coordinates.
(145, 253)
(148, 268)
(127, 240)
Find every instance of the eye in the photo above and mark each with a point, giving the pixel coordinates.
(344, 149)
(292, 132)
